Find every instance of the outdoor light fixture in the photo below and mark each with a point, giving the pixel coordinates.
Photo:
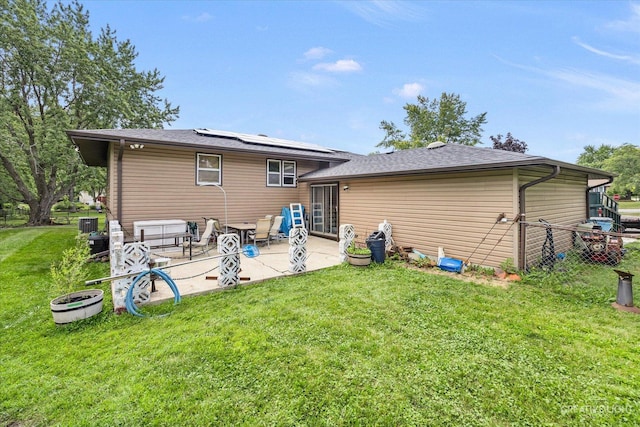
(345, 188)
(136, 146)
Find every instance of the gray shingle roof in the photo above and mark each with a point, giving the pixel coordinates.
(446, 158)
(93, 143)
(93, 146)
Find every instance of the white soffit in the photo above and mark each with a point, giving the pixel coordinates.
(264, 140)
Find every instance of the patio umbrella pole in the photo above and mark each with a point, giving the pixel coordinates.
(250, 251)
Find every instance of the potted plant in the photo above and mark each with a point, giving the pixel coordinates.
(68, 274)
(358, 255)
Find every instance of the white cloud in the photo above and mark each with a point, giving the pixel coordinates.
(631, 24)
(302, 80)
(623, 92)
(619, 94)
(409, 90)
(627, 58)
(341, 66)
(383, 12)
(203, 17)
(317, 53)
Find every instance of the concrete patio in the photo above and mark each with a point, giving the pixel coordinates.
(201, 277)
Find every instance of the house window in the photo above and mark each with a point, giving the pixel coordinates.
(281, 173)
(208, 169)
(273, 173)
(288, 174)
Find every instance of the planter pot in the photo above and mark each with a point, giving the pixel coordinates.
(76, 306)
(359, 260)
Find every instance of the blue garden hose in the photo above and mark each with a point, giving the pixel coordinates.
(128, 301)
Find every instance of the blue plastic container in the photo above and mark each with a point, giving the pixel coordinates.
(606, 224)
(451, 264)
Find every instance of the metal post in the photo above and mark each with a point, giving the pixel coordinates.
(226, 218)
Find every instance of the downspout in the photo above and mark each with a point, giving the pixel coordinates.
(120, 154)
(589, 190)
(523, 214)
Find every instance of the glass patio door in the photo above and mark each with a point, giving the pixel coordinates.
(324, 209)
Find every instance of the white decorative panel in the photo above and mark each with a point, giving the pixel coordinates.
(116, 250)
(114, 226)
(347, 234)
(386, 228)
(130, 258)
(298, 250)
(229, 244)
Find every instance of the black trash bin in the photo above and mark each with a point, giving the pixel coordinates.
(375, 242)
(98, 243)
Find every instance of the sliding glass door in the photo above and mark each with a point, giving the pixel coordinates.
(324, 209)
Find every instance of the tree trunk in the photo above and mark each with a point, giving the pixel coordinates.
(40, 213)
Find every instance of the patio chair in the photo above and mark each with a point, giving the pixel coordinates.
(217, 229)
(274, 231)
(261, 232)
(203, 243)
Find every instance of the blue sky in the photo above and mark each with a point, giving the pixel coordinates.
(556, 74)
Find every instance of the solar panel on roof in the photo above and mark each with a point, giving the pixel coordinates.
(264, 140)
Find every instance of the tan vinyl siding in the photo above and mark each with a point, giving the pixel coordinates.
(450, 211)
(561, 201)
(161, 184)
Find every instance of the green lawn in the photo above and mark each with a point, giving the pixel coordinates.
(57, 217)
(384, 345)
(627, 204)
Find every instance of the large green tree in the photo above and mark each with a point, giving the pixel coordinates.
(441, 119)
(595, 157)
(623, 160)
(56, 76)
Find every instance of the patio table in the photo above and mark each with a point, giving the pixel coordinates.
(242, 228)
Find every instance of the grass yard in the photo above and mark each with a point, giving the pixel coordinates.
(57, 217)
(384, 345)
(628, 204)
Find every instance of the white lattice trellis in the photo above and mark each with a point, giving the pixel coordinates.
(229, 244)
(347, 234)
(386, 228)
(126, 259)
(298, 250)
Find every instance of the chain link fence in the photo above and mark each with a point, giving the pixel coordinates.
(562, 248)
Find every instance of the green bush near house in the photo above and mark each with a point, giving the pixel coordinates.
(343, 346)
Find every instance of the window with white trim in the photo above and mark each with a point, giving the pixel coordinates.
(288, 173)
(208, 169)
(281, 173)
(273, 173)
